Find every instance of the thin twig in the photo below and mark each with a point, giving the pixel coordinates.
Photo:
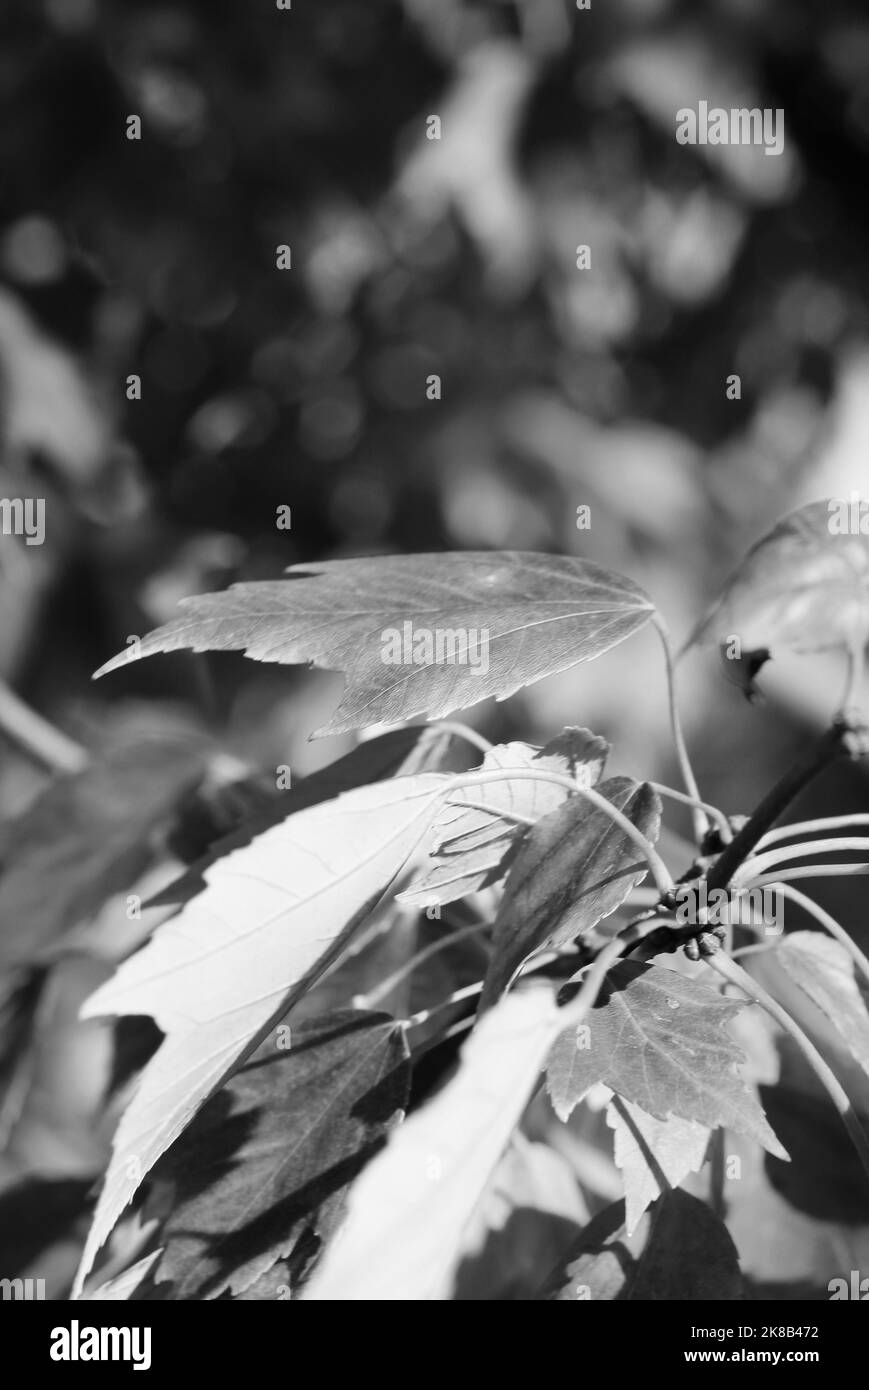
(712, 811)
(36, 736)
(454, 726)
(833, 744)
(808, 827)
(853, 676)
(808, 871)
(457, 997)
(495, 811)
(754, 950)
(633, 934)
(385, 988)
(701, 823)
(762, 863)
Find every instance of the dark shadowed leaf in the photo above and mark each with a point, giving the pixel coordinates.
(473, 848)
(820, 1145)
(574, 868)
(54, 1102)
(87, 837)
(259, 1175)
(397, 753)
(660, 1040)
(416, 634)
(804, 586)
(680, 1252)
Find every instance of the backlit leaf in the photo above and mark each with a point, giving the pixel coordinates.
(396, 753)
(824, 971)
(416, 634)
(661, 1041)
(653, 1154)
(803, 586)
(408, 1210)
(473, 848)
(216, 977)
(123, 1286)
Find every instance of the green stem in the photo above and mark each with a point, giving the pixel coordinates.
(763, 862)
(701, 823)
(454, 726)
(833, 744)
(808, 827)
(853, 676)
(712, 811)
(808, 871)
(457, 997)
(496, 812)
(754, 950)
(385, 988)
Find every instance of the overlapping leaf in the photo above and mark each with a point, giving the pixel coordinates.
(416, 634)
(216, 977)
(653, 1155)
(259, 1174)
(396, 753)
(803, 586)
(123, 1286)
(473, 848)
(531, 1214)
(408, 1210)
(681, 1252)
(660, 1040)
(824, 971)
(575, 867)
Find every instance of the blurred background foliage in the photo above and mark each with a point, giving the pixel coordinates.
(306, 388)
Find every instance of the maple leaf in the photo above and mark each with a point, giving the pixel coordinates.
(575, 867)
(803, 586)
(659, 1040)
(824, 971)
(409, 1208)
(416, 634)
(215, 978)
(473, 848)
(653, 1155)
(681, 1252)
(261, 1171)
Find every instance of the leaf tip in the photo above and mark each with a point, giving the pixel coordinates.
(106, 667)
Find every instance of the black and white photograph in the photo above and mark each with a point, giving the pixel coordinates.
(434, 715)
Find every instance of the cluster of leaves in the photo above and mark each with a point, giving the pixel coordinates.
(294, 1136)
